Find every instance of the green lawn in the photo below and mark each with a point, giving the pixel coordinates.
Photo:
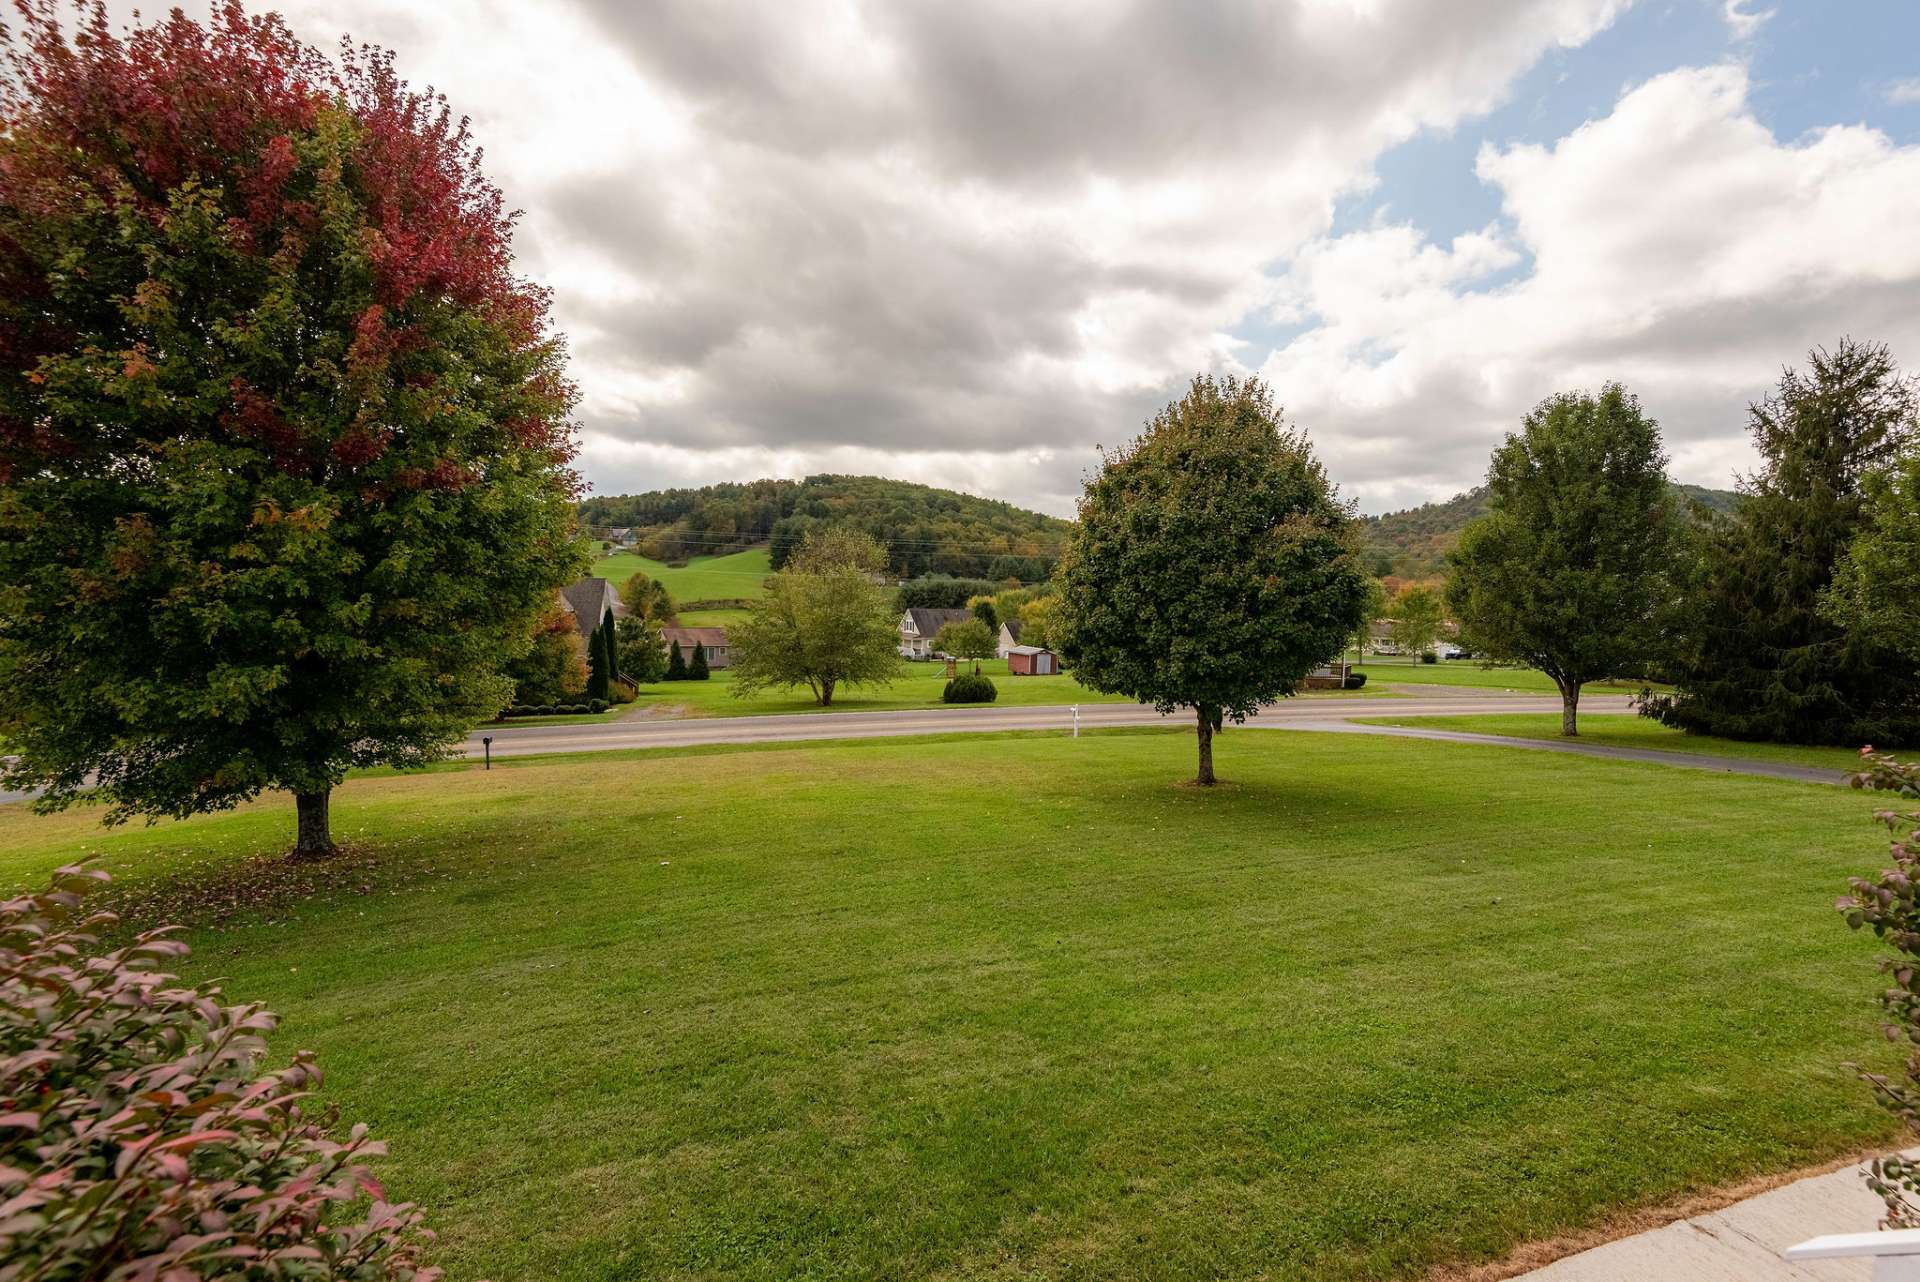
(999, 1007)
(918, 685)
(735, 577)
(1629, 731)
(1389, 670)
(725, 618)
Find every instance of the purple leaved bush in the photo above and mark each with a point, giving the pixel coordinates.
(1890, 905)
(140, 1138)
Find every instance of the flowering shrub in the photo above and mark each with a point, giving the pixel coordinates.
(1890, 904)
(139, 1138)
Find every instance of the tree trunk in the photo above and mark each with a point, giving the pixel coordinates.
(1569, 709)
(1204, 718)
(315, 839)
(826, 692)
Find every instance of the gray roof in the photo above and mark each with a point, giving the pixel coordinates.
(589, 600)
(1028, 649)
(929, 622)
(713, 638)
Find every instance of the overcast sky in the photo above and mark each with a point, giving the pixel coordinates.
(962, 243)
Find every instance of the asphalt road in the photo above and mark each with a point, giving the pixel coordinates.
(638, 733)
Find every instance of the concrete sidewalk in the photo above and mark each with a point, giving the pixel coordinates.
(1739, 1243)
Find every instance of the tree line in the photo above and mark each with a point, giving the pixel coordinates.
(922, 531)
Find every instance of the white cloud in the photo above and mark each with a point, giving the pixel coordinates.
(1743, 21)
(1904, 93)
(1675, 245)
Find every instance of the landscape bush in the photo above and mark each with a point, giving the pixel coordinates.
(1429, 657)
(698, 670)
(969, 687)
(1355, 680)
(598, 705)
(140, 1138)
(1890, 904)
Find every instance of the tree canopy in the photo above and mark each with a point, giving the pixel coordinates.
(1568, 570)
(1214, 566)
(284, 442)
(1752, 655)
(1417, 616)
(971, 639)
(1876, 585)
(825, 622)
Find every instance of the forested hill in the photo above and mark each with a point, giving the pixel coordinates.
(1413, 543)
(925, 530)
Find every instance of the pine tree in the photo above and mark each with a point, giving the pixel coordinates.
(599, 666)
(1754, 657)
(676, 664)
(697, 670)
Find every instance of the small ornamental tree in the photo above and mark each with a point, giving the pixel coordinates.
(825, 622)
(1213, 566)
(969, 640)
(1417, 617)
(1570, 567)
(698, 670)
(1890, 905)
(676, 663)
(284, 442)
(646, 597)
(140, 1138)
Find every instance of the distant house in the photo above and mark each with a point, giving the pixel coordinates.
(1032, 661)
(1380, 637)
(620, 536)
(1330, 676)
(712, 640)
(918, 628)
(1009, 637)
(591, 602)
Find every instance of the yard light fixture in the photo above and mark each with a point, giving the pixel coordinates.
(1076, 721)
(486, 741)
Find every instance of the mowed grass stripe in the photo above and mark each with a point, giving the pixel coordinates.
(1024, 1006)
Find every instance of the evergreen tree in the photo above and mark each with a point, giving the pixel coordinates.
(697, 670)
(638, 653)
(1568, 569)
(1753, 656)
(599, 665)
(676, 664)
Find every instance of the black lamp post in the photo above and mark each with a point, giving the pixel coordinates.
(486, 741)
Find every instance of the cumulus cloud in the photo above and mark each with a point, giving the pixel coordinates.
(1675, 245)
(1904, 93)
(958, 242)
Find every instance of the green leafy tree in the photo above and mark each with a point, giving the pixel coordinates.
(969, 640)
(676, 664)
(1876, 585)
(647, 597)
(1568, 570)
(1213, 566)
(698, 670)
(1418, 615)
(984, 610)
(826, 622)
(283, 440)
(1752, 654)
(552, 670)
(641, 657)
(1038, 620)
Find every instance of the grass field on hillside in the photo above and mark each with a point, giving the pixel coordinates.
(1629, 731)
(734, 577)
(918, 685)
(998, 1007)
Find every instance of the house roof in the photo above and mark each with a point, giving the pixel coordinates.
(1012, 628)
(929, 622)
(694, 636)
(1028, 649)
(588, 600)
